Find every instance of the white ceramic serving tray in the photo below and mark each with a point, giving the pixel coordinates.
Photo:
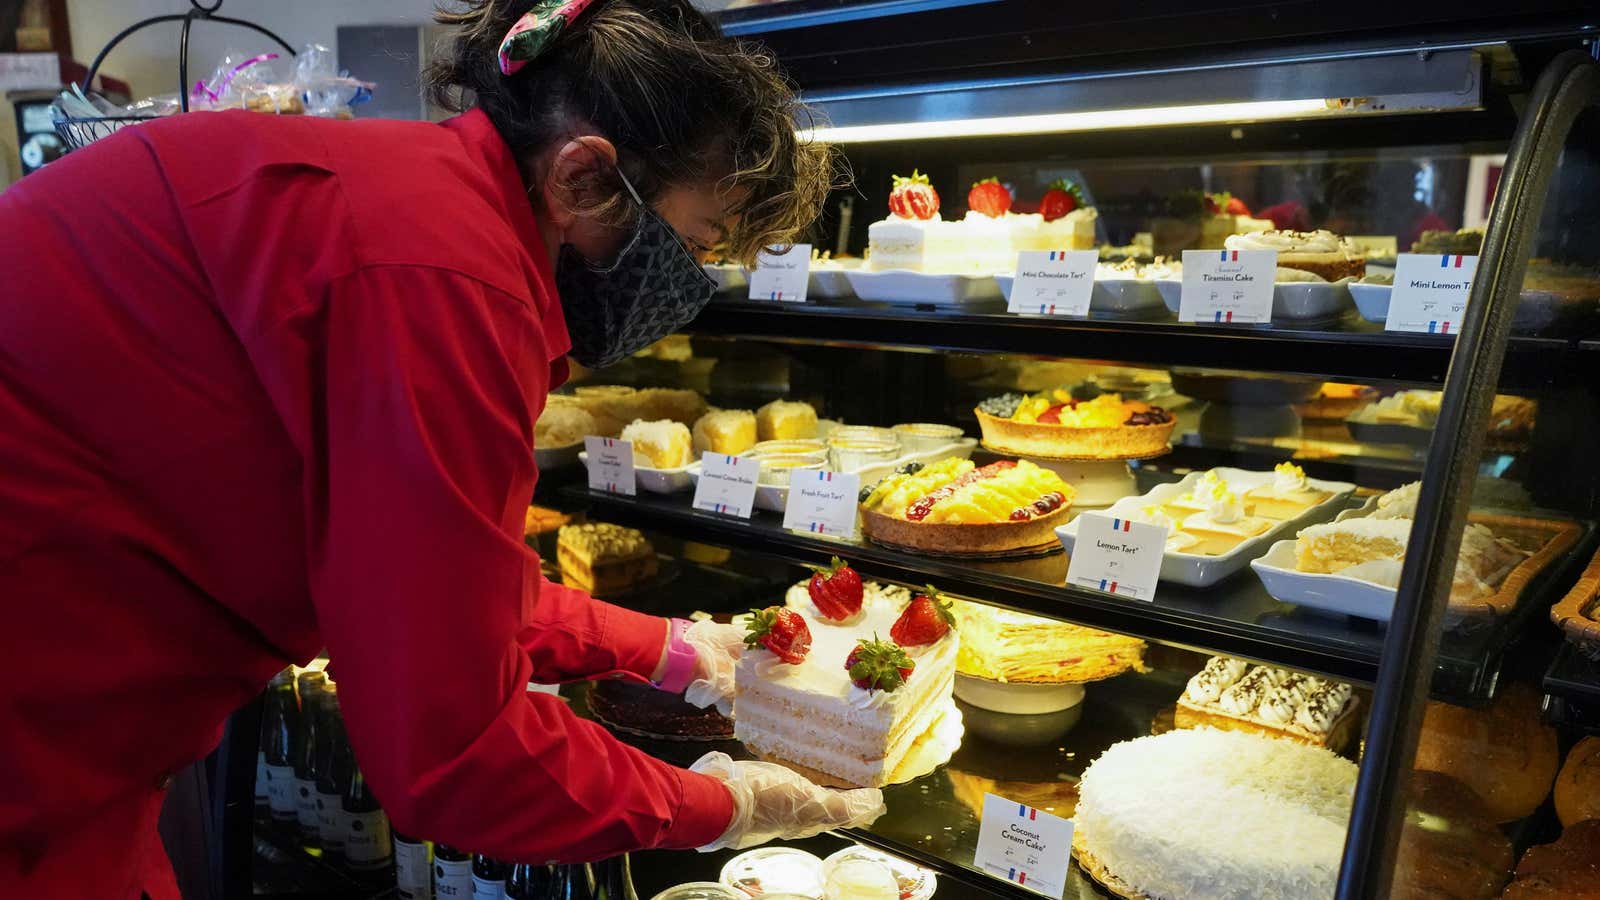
(920, 288)
(1112, 296)
(656, 481)
(775, 497)
(1203, 571)
(1292, 301)
(1372, 300)
(727, 276)
(1341, 593)
(832, 282)
(551, 458)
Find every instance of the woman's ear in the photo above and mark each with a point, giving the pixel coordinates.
(578, 178)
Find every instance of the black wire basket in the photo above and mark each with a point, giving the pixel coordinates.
(81, 131)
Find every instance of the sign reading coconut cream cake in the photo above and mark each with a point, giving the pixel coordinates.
(849, 682)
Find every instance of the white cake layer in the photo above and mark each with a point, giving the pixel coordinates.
(808, 711)
(1206, 815)
(837, 753)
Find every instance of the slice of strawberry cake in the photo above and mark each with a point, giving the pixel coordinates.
(846, 679)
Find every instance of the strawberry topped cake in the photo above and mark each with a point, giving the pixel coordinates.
(848, 679)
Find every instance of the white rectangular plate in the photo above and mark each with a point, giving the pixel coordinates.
(1330, 593)
(903, 286)
(1292, 301)
(1114, 296)
(1203, 571)
(656, 481)
(775, 497)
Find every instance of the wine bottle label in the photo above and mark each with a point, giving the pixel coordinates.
(413, 874)
(484, 889)
(367, 844)
(452, 879)
(328, 812)
(280, 792)
(261, 775)
(305, 805)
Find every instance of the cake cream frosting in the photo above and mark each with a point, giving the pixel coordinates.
(1287, 704)
(1204, 814)
(811, 713)
(1319, 241)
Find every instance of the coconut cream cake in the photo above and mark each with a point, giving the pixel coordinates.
(815, 714)
(1205, 815)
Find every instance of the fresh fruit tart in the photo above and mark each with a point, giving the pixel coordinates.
(956, 508)
(1052, 424)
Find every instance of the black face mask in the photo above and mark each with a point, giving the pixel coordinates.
(654, 288)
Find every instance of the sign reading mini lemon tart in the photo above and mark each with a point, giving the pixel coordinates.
(954, 508)
(1430, 292)
(1053, 425)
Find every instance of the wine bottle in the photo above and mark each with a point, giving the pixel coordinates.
(572, 882)
(452, 873)
(529, 882)
(368, 847)
(331, 740)
(282, 733)
(489, 878)
(305, 757)
(413, 868)
(613, 879)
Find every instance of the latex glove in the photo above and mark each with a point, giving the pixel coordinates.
(716, 650)
(771, 801)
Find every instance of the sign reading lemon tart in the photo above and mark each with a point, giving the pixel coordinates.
(956, 508)
(1053, 425)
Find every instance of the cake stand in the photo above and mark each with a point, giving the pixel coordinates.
(1017, 698)
(1099, 481)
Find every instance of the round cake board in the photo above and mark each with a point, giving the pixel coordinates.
(930, 751)
(1103, 879)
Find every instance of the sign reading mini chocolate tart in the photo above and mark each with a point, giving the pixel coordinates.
(955, 508)
(1053, 425)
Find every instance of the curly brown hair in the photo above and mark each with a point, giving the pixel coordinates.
(684, 105)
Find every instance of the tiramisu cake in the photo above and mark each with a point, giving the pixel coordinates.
(845, 678)
(1233, 695)
(1204, 814)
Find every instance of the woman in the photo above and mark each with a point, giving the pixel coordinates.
(269, 386)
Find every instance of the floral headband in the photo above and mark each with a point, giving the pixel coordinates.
(536, 31)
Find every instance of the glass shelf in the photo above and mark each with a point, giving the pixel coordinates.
(1352, 349)
(1237, 616)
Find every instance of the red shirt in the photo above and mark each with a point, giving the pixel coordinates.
(269, 385)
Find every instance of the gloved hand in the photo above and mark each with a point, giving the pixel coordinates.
(771, 801)
(716, 649)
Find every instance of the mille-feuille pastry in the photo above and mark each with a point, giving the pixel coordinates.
(603, 559)
(1017, 648)
(1233, 695)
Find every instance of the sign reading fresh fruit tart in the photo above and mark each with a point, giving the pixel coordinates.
(1053, 425)
(955, 508)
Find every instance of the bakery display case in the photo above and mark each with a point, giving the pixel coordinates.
(1352, 675)
(1368, 664)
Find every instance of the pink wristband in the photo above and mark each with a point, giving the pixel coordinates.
(680, 660)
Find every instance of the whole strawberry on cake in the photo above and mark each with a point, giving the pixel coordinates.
(1053, 424)
(849, 682)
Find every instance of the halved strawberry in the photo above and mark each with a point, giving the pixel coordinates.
(878, 665)
(914, 197)
(1059, 199)
(780, 630)
(836, 590)
(1052, 415)
(990, 198)
(926, 620)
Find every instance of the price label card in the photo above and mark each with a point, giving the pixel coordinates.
(1026, 846)
(1117, 556)
(782, 276)
(727, 484)
(1053, 282)
(610, 465)
(1430, 292)
(822, 503)
(1224, 286)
